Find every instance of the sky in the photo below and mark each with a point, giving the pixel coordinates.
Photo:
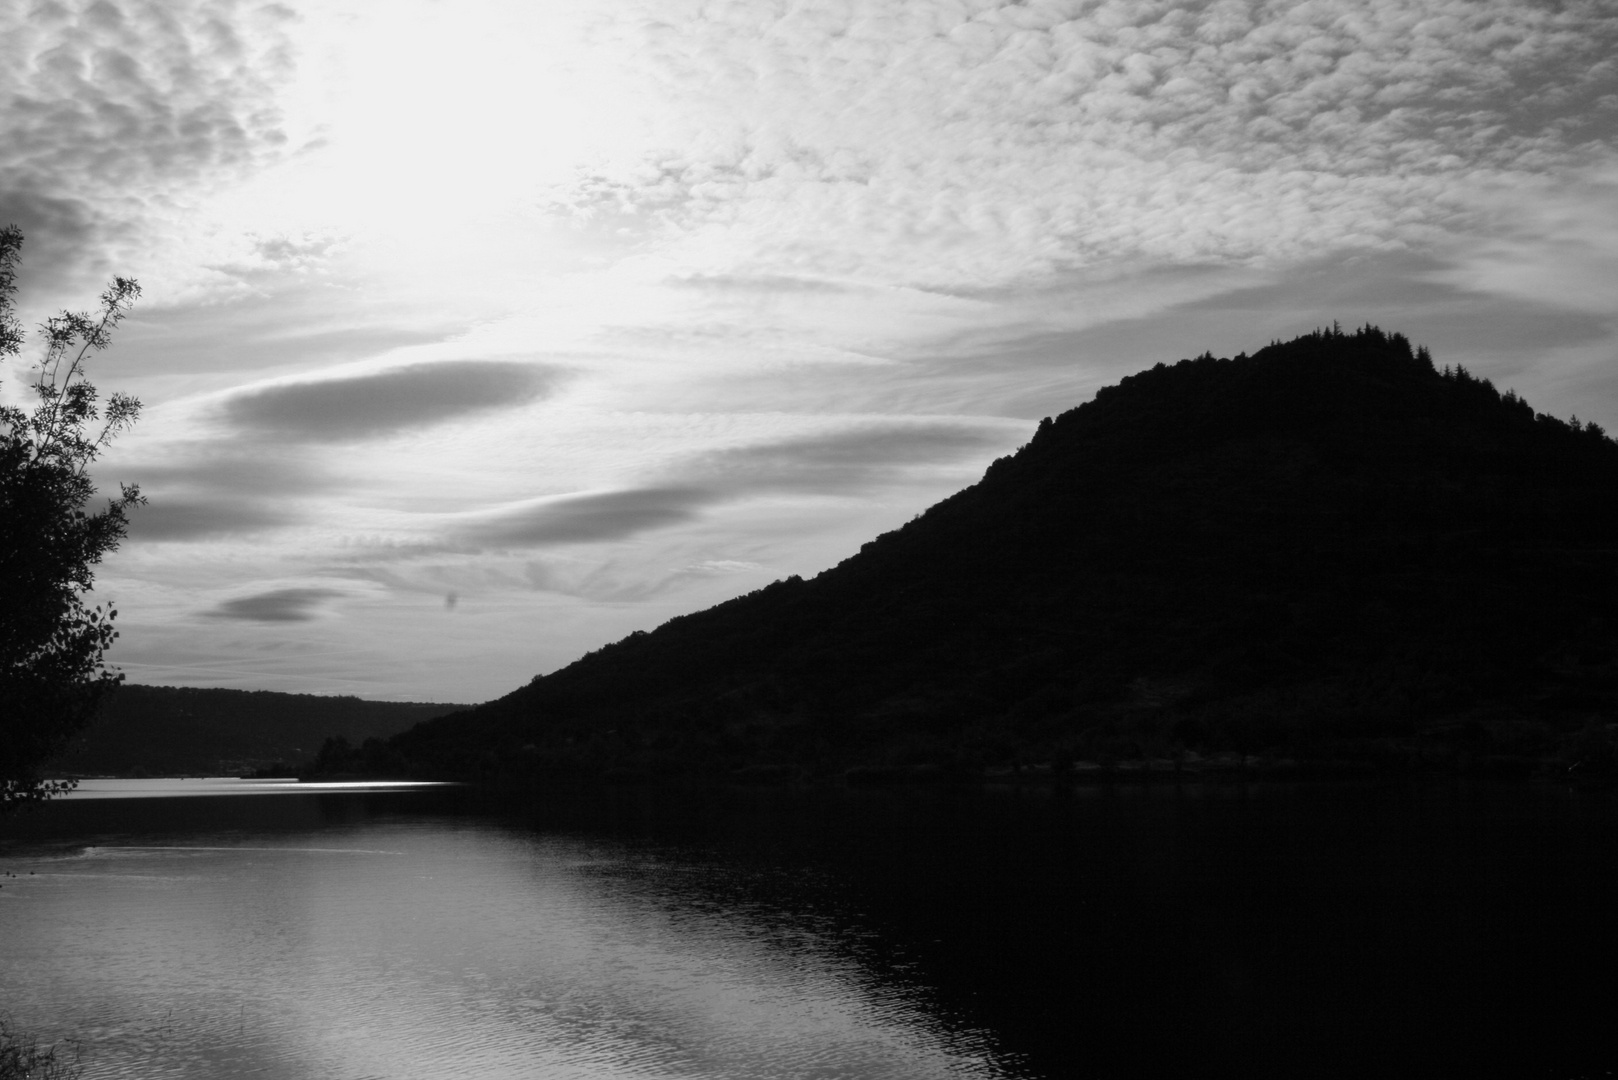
(478, 334)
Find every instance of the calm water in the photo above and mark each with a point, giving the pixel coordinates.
(1296, 931)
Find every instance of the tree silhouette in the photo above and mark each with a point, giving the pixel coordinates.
(51, 641)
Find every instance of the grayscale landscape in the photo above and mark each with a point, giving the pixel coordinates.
(739, 540)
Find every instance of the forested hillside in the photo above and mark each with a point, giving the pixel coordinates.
(1330, 550)
(184, 731)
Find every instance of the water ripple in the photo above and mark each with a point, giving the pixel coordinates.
(470, 951)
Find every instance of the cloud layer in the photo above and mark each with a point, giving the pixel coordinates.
(276, 606)
(576, 519)
(954, 143)
(836, 463)
(192, 519)
(809, 265)
(201, 491)
(400, 399)
(114, 107)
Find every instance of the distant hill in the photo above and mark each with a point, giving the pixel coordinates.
(172, 730)
(1329, 551)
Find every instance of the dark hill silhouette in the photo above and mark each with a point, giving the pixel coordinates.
(1328, 550)
(186, 731)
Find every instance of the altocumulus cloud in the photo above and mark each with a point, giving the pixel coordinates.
(959, 144)
(363, 406)
(108, 98)
(277, 605)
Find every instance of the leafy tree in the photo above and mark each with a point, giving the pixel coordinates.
(51, 641)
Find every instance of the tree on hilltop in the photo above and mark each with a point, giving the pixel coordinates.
(51, 641)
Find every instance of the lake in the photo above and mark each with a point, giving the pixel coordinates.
(212, 929)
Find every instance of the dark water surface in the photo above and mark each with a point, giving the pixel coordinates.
(1270, 930)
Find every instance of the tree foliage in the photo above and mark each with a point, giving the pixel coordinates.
(51, 641)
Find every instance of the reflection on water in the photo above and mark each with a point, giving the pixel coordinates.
(229, 785)
(1350, 930)
(421, 946)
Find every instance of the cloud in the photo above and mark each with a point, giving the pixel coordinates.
(195, 467)
(768, 284)
(719, 567)
(122, 105)
(574, 519)
(136, 90)
(200, 491)
(365, 406)
(617, 581)
(844, 462)
(304, 324)
(954, 144)
(1550, 240)
(55, 230)
(277, 605)
(188, 519)
(836, 463)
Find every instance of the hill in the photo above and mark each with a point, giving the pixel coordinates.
(1330, 550)
(183, 731)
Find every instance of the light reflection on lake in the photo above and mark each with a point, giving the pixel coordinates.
(173, 787)
(417, 946)
(1389, 928)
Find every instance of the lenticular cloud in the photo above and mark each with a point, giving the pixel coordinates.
(399, 399)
